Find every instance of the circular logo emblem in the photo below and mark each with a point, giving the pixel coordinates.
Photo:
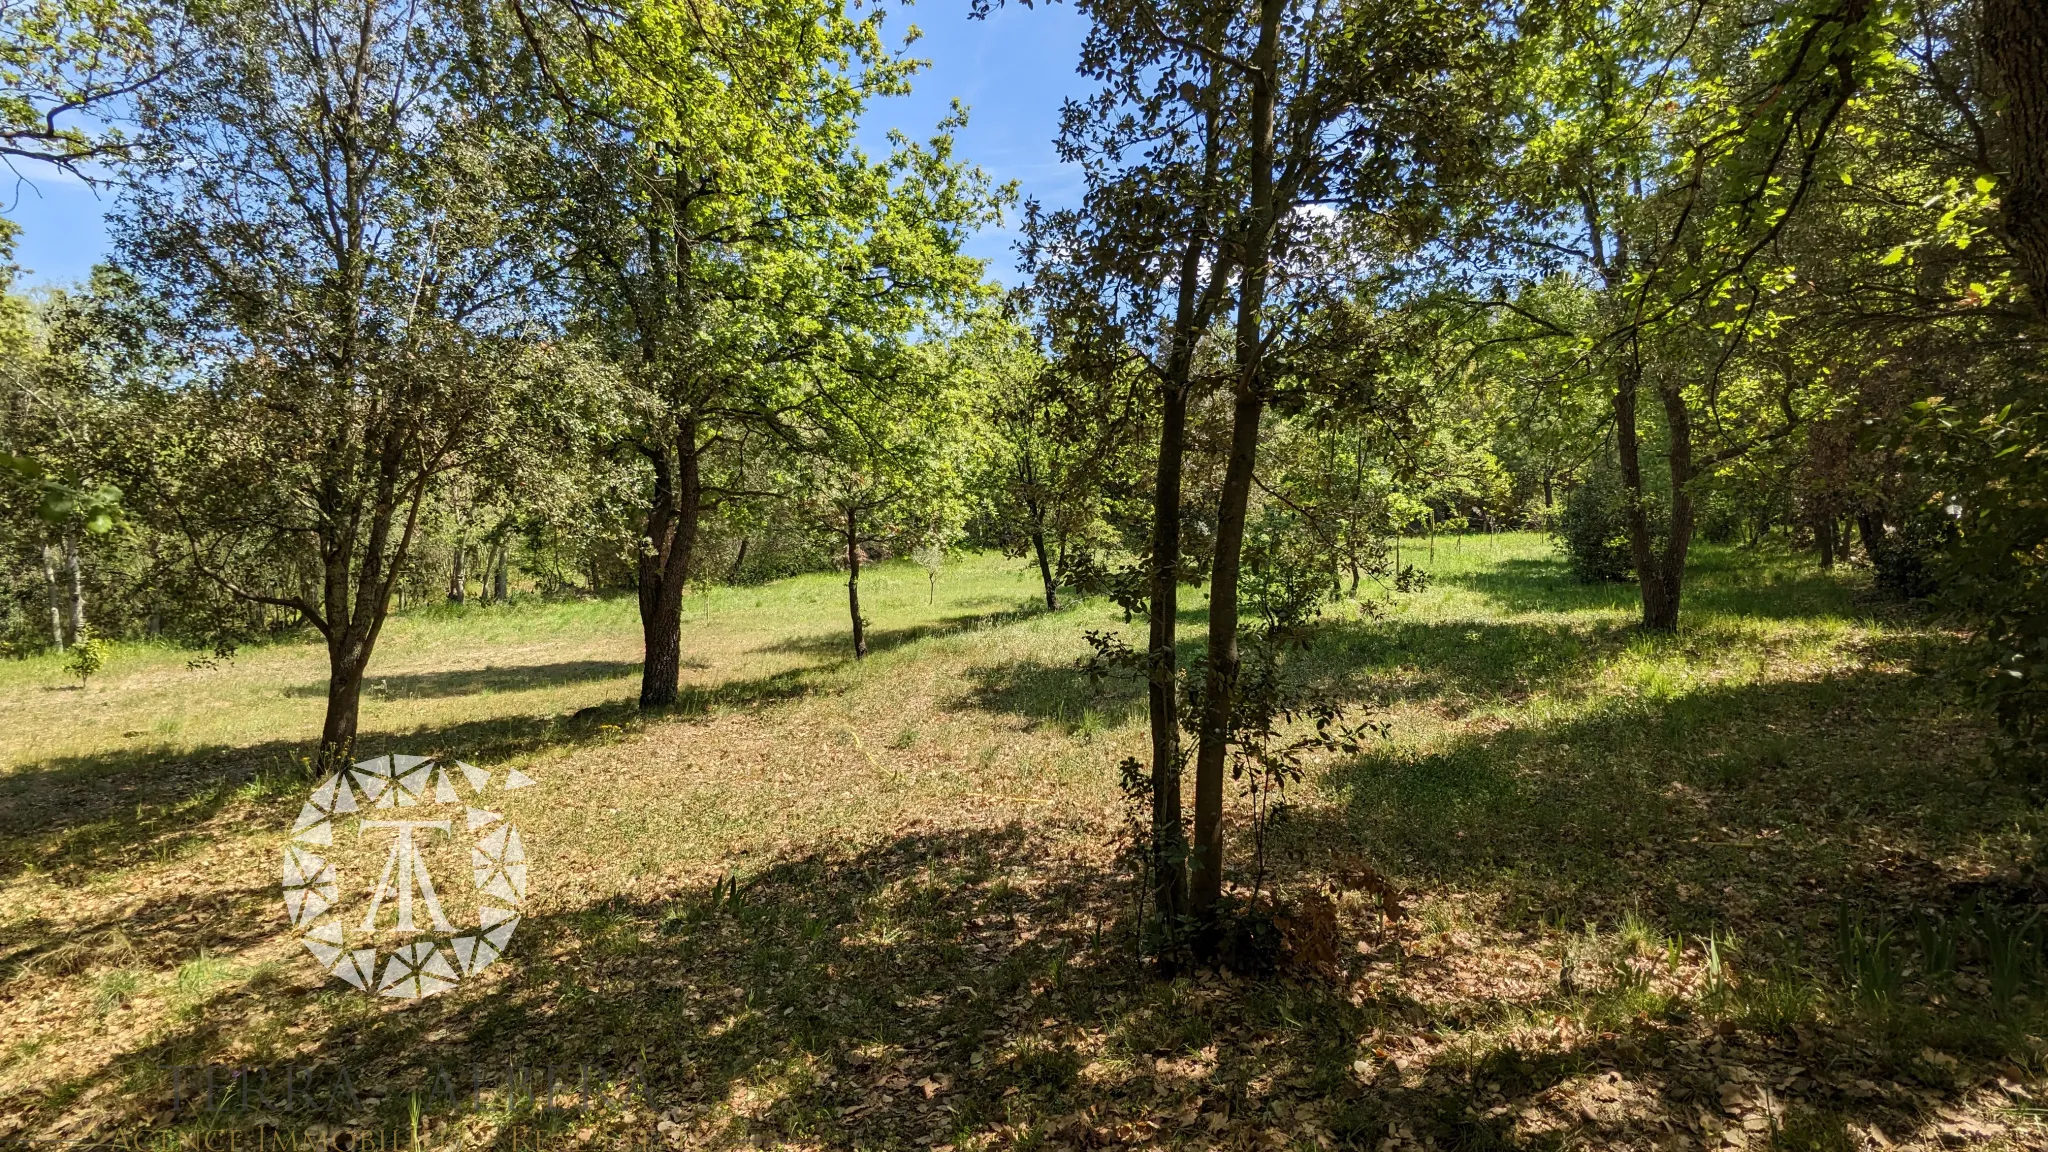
(406, 820)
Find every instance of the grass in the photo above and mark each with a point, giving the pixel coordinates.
(833, 904)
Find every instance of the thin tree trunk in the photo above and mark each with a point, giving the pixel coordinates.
(860, 633)
(74, 617)
(1219, 692)
(1678, 420)
(1659, 593)
(1195, 302)
(739, 563)
(1169, 834)
(56, 590)
(458, 574)
(1824, 535)
(1052, 596)
(501, 577)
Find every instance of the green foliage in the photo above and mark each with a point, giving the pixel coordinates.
(1871, 966)
(88, 655)
(66, 66)
(1592, 530)
(61, 499)
(1994, 566)
(1288, 571)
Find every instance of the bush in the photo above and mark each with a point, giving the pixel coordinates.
(1592, 531)
(1903, 560)
(88, 656)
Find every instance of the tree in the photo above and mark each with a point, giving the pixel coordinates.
(1257, 162)
(2014, 36)
(68, 71)
(1347, 106)
(724, 238)
(1045, 451)
(878, 465)
(314, 203)
(1674, 143)
(1129, 286)
(73, 360)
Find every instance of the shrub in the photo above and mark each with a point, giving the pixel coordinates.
(1903, 559)
(87, 657)
(1592, 531)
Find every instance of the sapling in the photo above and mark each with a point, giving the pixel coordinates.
(931, 556)
(88, 656)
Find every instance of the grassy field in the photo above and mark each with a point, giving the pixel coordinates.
(1751, 886)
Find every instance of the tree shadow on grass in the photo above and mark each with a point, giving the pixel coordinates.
(1417, 660)
(472, 681)
(1371, 662)
(1719, 582)
(77, 816)
(840, 642)
(1063, 693)
(1053, 693)
(1717, 807)
(942, 987)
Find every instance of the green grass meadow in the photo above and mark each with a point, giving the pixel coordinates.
(1756, 885)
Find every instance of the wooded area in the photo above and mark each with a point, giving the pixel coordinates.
(1617, 335)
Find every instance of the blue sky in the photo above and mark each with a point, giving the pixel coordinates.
(1011, 70)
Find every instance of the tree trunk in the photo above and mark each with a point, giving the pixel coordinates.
(1196, 301)
(1219, 690)
(1824, 535)
(56, 590)
(664, 565)
(74, 615)
(1169, 835)
(1660, 573)
(346, 662)
(1869, 529)
(739, 563)
(1678, 545)
(2015, 40)
(860, 633)
(356, 599)
(1052, 596)
(501, 576)
(458, 574)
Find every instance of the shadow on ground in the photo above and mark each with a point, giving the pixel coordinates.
(471, 681)
(74, 816)
(1719, 581)
(940, 987)
(840, 642)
